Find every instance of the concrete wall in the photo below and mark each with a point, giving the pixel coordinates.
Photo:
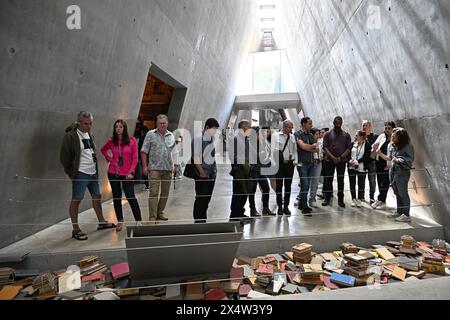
(48, 74)
(348, 60)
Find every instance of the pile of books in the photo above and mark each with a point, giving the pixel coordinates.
(408, 245)
(302, 253)
(45, 284)
(6, 276)
(347, 247)
(433, 263)
(310, 274)
(356, 265)
(439, 246)
(296, 271)
(409, 263)
(91, 265)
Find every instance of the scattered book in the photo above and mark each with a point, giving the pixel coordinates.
(342, 280)
(173, 292)
(9, 292)
(120, 270)
(384, 253)
(265, 269)
(244, 290)
(256, 262)
(399, 273)
(257, 295)
(327, 282)
(289, 289)
(290, 266)
(25, 273)
(6, 276)
(215, 294)
(231, 287)
(289, 255)
(280, 277)
(252, 280)
(72, 295)
(237, 274)
(242, 260)
(94, 277)
(69, 281)
(411, 264)
(248, 271)
(269, 260)
(194, 291)
(347, 247)
(213, 283)
(328, 257)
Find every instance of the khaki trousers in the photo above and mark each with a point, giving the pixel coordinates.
(159, 185)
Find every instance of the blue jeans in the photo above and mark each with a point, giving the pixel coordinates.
(306, 173)
(372, 175)
(315, 181)
(81, 181)
(399, 183)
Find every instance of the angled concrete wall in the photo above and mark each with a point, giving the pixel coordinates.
(379, 60)
(49, 73)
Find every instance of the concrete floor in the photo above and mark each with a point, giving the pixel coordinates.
(57, 238)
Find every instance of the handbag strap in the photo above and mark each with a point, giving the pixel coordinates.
(285, 145)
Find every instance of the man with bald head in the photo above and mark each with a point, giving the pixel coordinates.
(337, 145)
(284, 153)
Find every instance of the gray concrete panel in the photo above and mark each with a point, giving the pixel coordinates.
(49, 73)
(347, 63)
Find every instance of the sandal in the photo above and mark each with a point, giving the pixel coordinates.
(79, 235)
(105, 225)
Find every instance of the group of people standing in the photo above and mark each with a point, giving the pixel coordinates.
(318, 154)
(78, 156)
(259, 157)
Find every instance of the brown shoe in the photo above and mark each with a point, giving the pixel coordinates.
(161, 216)
(119, 226)
(254, 213)
(267, 212)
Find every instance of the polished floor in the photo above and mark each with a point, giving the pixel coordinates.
(57, 238)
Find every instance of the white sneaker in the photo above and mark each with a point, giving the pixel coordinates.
(313, 204)
(403, 218)
(358, 203)
(381, 206)
(354, 204)
(138, 223)
(376, 204)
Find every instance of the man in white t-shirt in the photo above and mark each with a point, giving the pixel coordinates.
(78, 157)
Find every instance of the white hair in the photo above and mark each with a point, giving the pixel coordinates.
(84, 115)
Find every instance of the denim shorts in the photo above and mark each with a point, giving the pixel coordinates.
(83, 180)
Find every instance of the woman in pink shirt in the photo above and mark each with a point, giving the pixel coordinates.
(121, 152)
